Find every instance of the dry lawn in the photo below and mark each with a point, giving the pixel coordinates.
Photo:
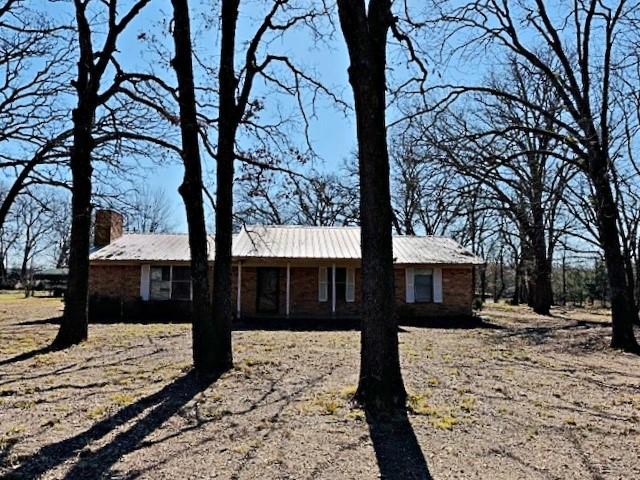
(520, 396)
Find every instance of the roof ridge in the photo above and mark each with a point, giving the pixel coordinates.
(261, 225)
(158, 234)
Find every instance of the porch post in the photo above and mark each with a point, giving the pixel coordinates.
(288, 286)
(333, 288)
(239, 297)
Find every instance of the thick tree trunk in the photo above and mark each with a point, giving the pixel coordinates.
(623, 311)
(380, 384)
(541, 290)
(227, 127)
(204, 355)
(74, 325)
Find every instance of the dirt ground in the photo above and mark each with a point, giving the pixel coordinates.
(516, 397)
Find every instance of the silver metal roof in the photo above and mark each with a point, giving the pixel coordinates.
(151, 247)
(328, 243)
(288, 242)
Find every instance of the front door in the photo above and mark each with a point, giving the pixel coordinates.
(268, 290)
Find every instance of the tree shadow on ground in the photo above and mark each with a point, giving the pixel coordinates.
(397, 449)
(455, 323)
(162, 405)
(27, 355)
(42, 321)
(541, 335)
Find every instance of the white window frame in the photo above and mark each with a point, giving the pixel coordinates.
(148, 286)
(323, 285)
(425, 272)
(350, 293)
(410, 274)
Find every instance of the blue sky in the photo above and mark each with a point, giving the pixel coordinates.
(332, 132)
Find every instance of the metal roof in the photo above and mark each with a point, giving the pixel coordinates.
(151, 247)
(329, 243)
(288, 242)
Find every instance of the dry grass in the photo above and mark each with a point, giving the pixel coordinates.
(531, 398)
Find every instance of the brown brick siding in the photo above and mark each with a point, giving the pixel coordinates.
(303, 293)
(457, 295)
(124, 281)
(118, 281)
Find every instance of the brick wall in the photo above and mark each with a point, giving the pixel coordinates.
(118, 281)
(457, 295)
(124, 282)
(108, 227)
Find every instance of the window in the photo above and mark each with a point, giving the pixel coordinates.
(341, 284)
(170, 283)
(345, 284)
(181, 283)
(423, 286)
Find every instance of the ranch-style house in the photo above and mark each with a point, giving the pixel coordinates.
(278, 271)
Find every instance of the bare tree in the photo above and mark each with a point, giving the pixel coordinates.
(522, 168)
(280, 198)
(205, 339)
(237, 108)
(34, 221)
(149, 211)
(365, 30)
(92, 66)
(588, 40)
(34, 53)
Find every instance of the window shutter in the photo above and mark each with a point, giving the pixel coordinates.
(350, 294)
(437, 285)
(145, 281)
(323, 295)
(409, 290)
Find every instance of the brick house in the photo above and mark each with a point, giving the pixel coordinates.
(278, 271)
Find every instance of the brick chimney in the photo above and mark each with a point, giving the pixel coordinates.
(108, 227)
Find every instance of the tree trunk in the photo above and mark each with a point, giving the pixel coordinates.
(515, 300)
(227, 128)
(204, 355)
(3, 270)
(541, 290)
(623, 312)
(483, 281)
(495, 282)
(500, 292)
(564, 279)
(74, 326)
(380, 386)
